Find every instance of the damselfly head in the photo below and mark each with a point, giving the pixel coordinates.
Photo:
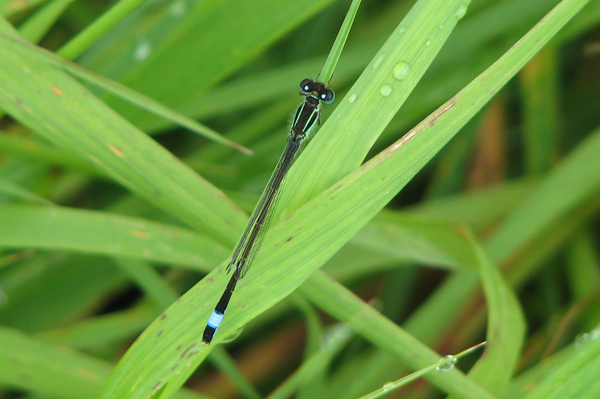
(317, 89)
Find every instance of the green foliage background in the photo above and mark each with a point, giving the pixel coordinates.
(111, 212)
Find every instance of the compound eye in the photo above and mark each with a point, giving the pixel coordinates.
(306, 85)
(328, 97)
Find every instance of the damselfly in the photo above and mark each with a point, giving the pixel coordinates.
(307, 114)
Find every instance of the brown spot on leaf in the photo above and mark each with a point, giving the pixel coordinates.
(140, 234)
(185, 352)
(116, 150)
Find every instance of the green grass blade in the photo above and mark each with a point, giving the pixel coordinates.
(472, 208)
(102, 233)
(539, 85)
(38, 151)
(38, 24)
(197, 48)
(505, 329)
(121, 91)
(11, 189)
(366, 321)
(412, 238)
(100, 26)
(227, 365)
(455, 245)
(563, 188)
(60, 109)
(57, 371)
(149, 281)
(94, 332)
(523, 383)
(338, 45)
(334, 341)
(32, 286)
(577, 376)
(444, 364)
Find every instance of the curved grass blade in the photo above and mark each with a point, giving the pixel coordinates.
(124, 92)
(56, 106)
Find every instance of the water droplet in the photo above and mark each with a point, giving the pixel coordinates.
(233, 335)
(446, 363)
(378, 61)
(352, 98)
(142, 51)
(387, 386)
(401, 70)
(385, 90)
(441, 26)
(401, 30)
(460, 11)
(428, 42)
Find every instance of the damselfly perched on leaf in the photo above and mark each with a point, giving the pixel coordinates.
(307, 114)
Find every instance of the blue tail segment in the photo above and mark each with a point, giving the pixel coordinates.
(217, 315)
